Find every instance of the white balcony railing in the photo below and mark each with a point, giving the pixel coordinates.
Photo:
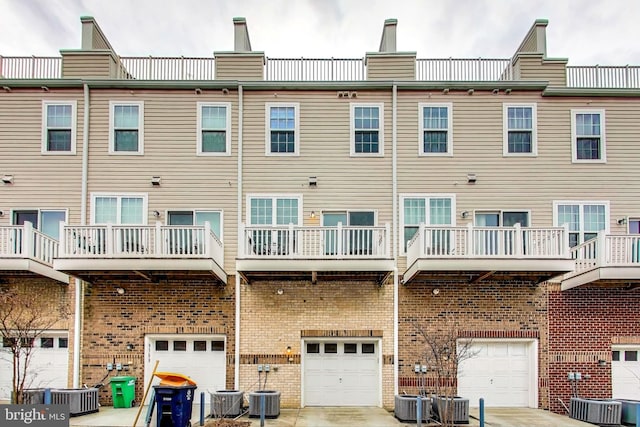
(302, 242)
(488, 242)
(460, 69)
(30, 67)
(597, 76)
(315, 69)
(607, 251)
(140, 241)
(23, 241)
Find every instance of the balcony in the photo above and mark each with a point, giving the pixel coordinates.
(472, 254)
(315, 253)
(607, 258)
(24, 251)
(151, 252)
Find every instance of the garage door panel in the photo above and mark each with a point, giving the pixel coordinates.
(348, 377)
(625, 372)
(499, 372)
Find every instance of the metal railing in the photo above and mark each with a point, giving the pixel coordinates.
(166, 68)
(315, 69)
(597, 76)
(488, 242)
(459, 69)
(607, 251)
(295, 241)
(24, 241)
(30, 67)
(140, 241)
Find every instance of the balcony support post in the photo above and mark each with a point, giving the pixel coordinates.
(109, 239)
(601, 249)
(518, 249)
(290, 240)
(27, 240)
(471, 249)
(207, 239)
(159, 238)
(340, 239)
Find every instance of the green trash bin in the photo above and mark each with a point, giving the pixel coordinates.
(123, 390)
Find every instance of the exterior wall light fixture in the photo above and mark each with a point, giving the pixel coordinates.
(7, 179)
(155, 181)
(622, 221)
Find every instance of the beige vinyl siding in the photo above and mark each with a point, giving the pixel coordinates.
(89, 65)
(188, 181)
(239, 67)
(534, 67)
(528, 183)
(344, 182)
(98, 40)
(40, 181)
(530, 43)
(390, 67)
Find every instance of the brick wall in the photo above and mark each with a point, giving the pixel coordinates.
(271, 321)
(112, 320)
(476, 310)
(583, 324)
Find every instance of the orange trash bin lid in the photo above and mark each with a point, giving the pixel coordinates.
(174, 379)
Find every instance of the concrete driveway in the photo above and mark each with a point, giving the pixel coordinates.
(340, 417)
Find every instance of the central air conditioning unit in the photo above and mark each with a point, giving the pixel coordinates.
(406, 408)
(596, 411)
(271, 403)
(226, 403)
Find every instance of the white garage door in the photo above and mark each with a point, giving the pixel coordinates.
(501, 372)
(341, 373)
(625, 373)
(48, 366)
(201, 357)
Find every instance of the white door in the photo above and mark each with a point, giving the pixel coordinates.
(341, 373)
(48, 366)
(625, 372)
(501, 372)
(200, 357)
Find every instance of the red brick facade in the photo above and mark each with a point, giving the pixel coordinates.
(583, 324)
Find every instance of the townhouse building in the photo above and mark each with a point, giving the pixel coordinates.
(290, 223)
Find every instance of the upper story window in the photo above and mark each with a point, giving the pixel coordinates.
(367, 130)
(585, 219)
(58, 127)
(197, 217)
(436, 129)
(214, 129)
(588, 136)
(125, 208)
(283, 136)
(429, 209)
(126, 127)
(501, 218)
(46, 220)
(520, 136)
(274, 210)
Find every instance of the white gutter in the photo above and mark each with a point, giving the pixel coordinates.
(394, 228)
(237, 328)
(79, 286)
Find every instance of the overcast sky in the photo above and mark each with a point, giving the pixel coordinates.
(587, 32)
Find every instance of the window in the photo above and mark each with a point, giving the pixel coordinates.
(519, 129)
(197, 217)
(119, 208)
(330, 348)
(426, 209)
(630, 356)
(217, 345)
(356, 240)
(126, 128)
(59, 127)
(585, 219)
(199, 346)
(179, 346)
(162, 345)
(276, 211)
(368, 348)
(367, 130)
(313, 348)
(588, 136)
(214, 129)
(350, 348)
(63, 342)
(46, 221)
(46, 342)
(435, 130)
(282, 129)
(501, 218)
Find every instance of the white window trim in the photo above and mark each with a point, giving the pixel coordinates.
(194, 210)
(449, 107)
(140, 105)
(574, 141)
(581, 203)
(267, 127)
(273, 196)
(500, 212)
(227, 151)
(505, 130)
(145, 204)
(74, 116)
(426, 196)
(352, 128)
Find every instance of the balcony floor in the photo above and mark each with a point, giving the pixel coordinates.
(30, 268)
(602, 275)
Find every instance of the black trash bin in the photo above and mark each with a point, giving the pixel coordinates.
(174, 405)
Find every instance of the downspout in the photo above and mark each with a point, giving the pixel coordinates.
(236, 371)
(394, 228)
(79, 285)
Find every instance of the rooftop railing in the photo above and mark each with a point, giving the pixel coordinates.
(324, 69)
